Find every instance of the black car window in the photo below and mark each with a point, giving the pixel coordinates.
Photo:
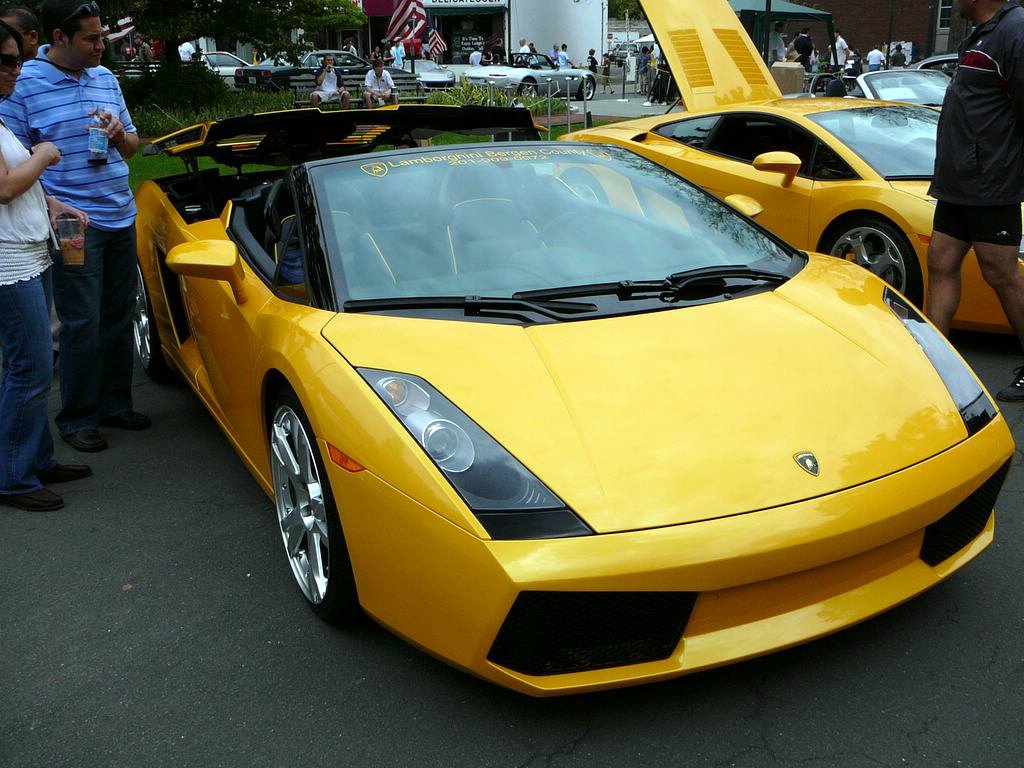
(744, 137)
(693, 133)
(829, 166)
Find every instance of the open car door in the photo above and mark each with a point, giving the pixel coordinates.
(713, 60)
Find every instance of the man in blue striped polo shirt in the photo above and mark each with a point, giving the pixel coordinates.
(55, 99)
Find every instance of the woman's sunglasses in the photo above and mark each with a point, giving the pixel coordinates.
(10, 61)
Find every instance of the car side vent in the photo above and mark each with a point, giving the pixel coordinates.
(738, 51)
(695, 63)
(551, 633)
(954, 531)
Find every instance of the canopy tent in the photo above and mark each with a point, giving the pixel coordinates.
(753, 15)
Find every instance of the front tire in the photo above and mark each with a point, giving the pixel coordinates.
(146, 337)
(307, 516)
(528, 88)
(881, 248)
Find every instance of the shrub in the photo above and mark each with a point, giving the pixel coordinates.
(175, 87)
(465, 95)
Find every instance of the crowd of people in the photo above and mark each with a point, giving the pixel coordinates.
(53, 169)
(840, 55)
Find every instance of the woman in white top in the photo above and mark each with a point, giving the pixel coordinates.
(26, 447)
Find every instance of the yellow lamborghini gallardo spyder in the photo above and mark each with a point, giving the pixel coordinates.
(548, 410)
(846, 177)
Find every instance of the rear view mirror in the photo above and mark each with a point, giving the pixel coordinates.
(748, 206)
(785, 163)
(212, 260)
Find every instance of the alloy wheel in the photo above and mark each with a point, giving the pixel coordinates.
(874, 250)
(301, 512)
(140, 321)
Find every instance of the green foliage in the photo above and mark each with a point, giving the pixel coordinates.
(617, 9)
(465, 94)
(267, 23)
(175, 86)
(154, 119)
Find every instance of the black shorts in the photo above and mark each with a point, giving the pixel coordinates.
(996, 224)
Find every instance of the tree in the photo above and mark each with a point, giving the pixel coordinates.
(269, 22)
(617, 9)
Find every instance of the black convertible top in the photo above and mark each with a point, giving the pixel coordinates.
(298, 135)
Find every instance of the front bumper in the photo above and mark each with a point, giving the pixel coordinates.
(761, 581)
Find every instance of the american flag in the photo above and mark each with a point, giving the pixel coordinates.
(407, 21)
(436, 42)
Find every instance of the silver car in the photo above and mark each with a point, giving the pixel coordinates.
(432, 76)
(530, 74)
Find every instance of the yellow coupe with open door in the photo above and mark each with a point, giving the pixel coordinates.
(548, 410)
(846, 177)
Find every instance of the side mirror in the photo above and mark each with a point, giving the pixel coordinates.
(785, 163)
(212, 260)
(748, 206)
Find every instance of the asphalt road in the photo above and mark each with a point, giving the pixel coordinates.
(154, 622)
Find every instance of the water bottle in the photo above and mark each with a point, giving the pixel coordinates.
(98, 142)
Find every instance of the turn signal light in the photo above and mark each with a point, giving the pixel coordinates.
(344, 461)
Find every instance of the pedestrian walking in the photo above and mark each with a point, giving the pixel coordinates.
(804, 47)
(27, 463)
(96, 300)
(899, 58)
(606, 72)
(875, 59)
(979, 170)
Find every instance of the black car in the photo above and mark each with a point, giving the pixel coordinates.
(275, 74)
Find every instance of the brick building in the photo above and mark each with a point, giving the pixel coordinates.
(865, 23)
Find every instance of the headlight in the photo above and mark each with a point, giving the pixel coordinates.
(504, 495)
(974, 405)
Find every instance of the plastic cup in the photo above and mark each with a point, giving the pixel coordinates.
(71, 235)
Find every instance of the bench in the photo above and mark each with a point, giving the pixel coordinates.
(408, 89)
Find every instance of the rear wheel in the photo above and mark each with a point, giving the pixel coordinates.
(587, 89)
(528, 88)
(878, 245)
(146, 336)
(307, 516)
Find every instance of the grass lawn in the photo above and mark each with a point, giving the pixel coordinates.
(142, 168)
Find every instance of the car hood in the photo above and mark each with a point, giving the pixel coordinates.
(711, 56)
(690, 414)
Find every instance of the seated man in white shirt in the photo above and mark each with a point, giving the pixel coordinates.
(378, 88)
(328, 87)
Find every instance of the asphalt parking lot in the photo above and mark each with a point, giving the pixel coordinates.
(154, 622)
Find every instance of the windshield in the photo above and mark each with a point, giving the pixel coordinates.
(915, 86)
(897, 141)
(492, 220)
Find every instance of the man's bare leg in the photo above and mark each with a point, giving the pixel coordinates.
(945, 257)
(1000, 268)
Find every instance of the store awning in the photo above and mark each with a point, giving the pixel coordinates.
(468, 10)
(781, 10)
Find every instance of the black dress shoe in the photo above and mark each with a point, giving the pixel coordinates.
(87, 440)
(62, 473)
(127, 420)
(36, 501)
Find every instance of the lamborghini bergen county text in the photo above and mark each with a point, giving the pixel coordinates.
(568, 422)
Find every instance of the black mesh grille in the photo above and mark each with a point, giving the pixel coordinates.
(549, 633)
(951, 533)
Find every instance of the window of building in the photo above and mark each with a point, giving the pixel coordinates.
(945, 13)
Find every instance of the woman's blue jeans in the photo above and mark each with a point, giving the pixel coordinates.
(26, 446)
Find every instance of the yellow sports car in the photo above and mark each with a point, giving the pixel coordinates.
(549, 411)
(846, 177)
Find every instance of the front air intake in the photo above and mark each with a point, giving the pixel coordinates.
(954, 531)
(551, 633)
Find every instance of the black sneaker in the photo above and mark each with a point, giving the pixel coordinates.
(1015, 392)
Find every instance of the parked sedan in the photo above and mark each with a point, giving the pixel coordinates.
(224, 64)
(530, 73)
(276, 73)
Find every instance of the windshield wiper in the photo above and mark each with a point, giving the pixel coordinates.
(478, 305)
(672, 288)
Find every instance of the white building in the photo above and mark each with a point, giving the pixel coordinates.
(582, 24)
